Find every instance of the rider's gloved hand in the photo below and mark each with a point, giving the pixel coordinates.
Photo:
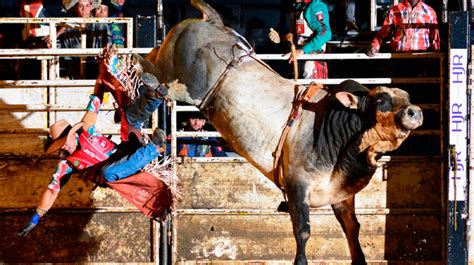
(274, 36)
(31, 224)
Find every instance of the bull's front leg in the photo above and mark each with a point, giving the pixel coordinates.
(298, 207)
(345, 214)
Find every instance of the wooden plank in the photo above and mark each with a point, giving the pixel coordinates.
(25, 180)
(237, 238)
(241, 186)
(77, 238)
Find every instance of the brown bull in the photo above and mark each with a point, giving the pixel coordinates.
(329, 154)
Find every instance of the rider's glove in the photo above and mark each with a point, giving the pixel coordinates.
(32, 223)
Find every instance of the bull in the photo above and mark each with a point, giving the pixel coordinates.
(330, 152)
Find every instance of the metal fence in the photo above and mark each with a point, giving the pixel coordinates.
(50, 79)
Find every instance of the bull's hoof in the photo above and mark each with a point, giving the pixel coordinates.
(283, 207)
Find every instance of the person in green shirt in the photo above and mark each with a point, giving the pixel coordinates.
(312, 31)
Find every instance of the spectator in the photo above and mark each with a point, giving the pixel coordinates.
(97, 33)
(347, 7)
(313, 31)
(117, 8)
(70, 36)
(114, 30)
(33, 34)
(411, 25)
(82, 147)
(198, 146)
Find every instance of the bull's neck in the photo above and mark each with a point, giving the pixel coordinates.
(338, 139)
(223, 71)
(220, 79)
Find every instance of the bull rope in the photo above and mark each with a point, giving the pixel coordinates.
(232, 64)
(301, 97)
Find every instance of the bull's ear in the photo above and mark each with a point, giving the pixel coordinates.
(347, 99)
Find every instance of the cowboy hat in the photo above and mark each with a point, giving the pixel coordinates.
(68, 4)
(59, 132)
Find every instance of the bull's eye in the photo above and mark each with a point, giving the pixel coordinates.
(380, 101)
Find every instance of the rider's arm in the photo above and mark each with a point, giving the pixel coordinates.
(60, 177)
(317, 16)
(92, 111)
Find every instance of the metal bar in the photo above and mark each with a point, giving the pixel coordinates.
(185, 108)
(336, 81)
(58, 20)
(44, 83)
(44, 71)
(74, 210)
(82, 62)
(326, 56)
(130, 34)
(47, 107)
(179, 160)
(444, 12)
(45, 131)
(179, 108)
(174, 236)
(317, 211)
(33, 53)
(196, 134)
(164, 226)
(173, 130)
(354, 56)
(52, 62)
(373, 14)
(235, 159)
(333, 81)
(50, 102)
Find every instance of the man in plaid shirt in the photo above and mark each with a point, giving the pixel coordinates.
(411, 25)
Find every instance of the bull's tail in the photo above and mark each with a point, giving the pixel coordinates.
(208, 12)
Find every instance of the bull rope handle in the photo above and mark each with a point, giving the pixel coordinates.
(454, 167)
(289, 38)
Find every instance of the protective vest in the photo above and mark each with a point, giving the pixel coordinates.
(94, 149)
(303, 31)
(315, 12)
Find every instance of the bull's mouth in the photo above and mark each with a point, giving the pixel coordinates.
(411, 117)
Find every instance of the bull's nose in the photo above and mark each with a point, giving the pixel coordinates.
(414, 112)
(412, 117)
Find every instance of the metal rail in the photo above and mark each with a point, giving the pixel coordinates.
(175, 109)
(7, 53)
(313, 211)
(55, 52)
(333, 81)
(52, 107)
